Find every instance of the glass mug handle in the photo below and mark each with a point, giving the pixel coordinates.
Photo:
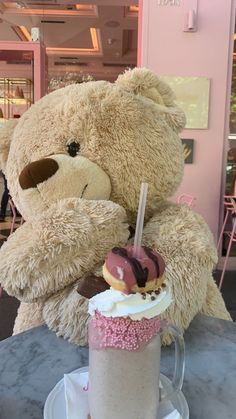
(178, 377)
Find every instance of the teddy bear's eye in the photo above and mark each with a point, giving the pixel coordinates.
(73, 149)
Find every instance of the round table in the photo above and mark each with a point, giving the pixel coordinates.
(32, 362)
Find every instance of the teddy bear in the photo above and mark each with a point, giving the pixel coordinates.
(74, 164)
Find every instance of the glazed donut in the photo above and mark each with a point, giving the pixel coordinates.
(125, 273)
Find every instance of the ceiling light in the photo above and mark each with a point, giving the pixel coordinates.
(133, 9)
(22, 32)
(26, 33)
(93, 33)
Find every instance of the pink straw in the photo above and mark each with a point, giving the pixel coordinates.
(140, 220)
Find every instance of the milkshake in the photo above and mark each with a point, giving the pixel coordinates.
(124, 336)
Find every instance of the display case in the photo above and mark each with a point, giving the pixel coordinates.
(16, 96)
(23, 77)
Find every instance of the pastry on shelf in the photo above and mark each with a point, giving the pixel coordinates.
(8, 95)
(17, 92)
(21, 94)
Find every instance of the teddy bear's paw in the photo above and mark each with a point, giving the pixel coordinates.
(19, 263)
(66, 313)
(29, 315)
(79, 221)
(166, 339)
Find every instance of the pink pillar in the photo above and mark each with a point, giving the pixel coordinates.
(39, 71)
(167, 50)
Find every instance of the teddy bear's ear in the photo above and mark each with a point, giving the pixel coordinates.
(144, 82)
(6, 133)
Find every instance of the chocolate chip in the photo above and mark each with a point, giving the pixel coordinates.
(163, 285)
(157, 292)
(153, 298)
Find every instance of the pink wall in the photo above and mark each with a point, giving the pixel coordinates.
(167, 50)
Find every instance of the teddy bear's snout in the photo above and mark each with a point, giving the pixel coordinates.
(37, 172)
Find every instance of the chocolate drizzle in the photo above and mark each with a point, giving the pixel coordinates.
(140, 273)
(153, 257)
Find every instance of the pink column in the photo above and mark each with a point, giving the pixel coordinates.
(166, 49)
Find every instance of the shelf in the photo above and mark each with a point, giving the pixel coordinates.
(2, 122)
(15, 101)
(16, 96)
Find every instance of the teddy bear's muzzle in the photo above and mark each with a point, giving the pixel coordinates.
(37, 172)
(58, 177)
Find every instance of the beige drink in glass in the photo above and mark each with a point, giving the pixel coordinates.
(124, 384)
(124, 332)
(124, 358)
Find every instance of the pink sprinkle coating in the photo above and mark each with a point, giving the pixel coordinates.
(121, 332)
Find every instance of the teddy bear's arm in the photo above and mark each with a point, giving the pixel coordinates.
(187, 245)
(62, 245)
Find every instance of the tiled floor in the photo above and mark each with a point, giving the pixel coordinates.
(9, 305)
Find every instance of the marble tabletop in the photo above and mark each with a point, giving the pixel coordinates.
(31, 363)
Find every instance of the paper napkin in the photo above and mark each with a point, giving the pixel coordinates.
(76, 396)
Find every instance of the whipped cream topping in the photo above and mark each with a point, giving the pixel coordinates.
(113, 303)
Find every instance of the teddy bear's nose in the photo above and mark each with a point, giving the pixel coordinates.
(37, 172)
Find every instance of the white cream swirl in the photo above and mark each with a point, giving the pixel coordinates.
(113, 303)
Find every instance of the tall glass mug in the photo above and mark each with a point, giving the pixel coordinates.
(124, 366)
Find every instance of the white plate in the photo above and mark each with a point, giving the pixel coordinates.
(55, 406)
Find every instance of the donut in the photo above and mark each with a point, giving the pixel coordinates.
(128, 274)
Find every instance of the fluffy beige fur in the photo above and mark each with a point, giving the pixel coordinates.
(5, 138)
(128, 133)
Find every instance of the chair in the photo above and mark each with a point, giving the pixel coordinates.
(230, 215)
(186, 199)
(14, 214)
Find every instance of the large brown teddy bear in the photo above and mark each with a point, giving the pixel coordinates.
(76, 161)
